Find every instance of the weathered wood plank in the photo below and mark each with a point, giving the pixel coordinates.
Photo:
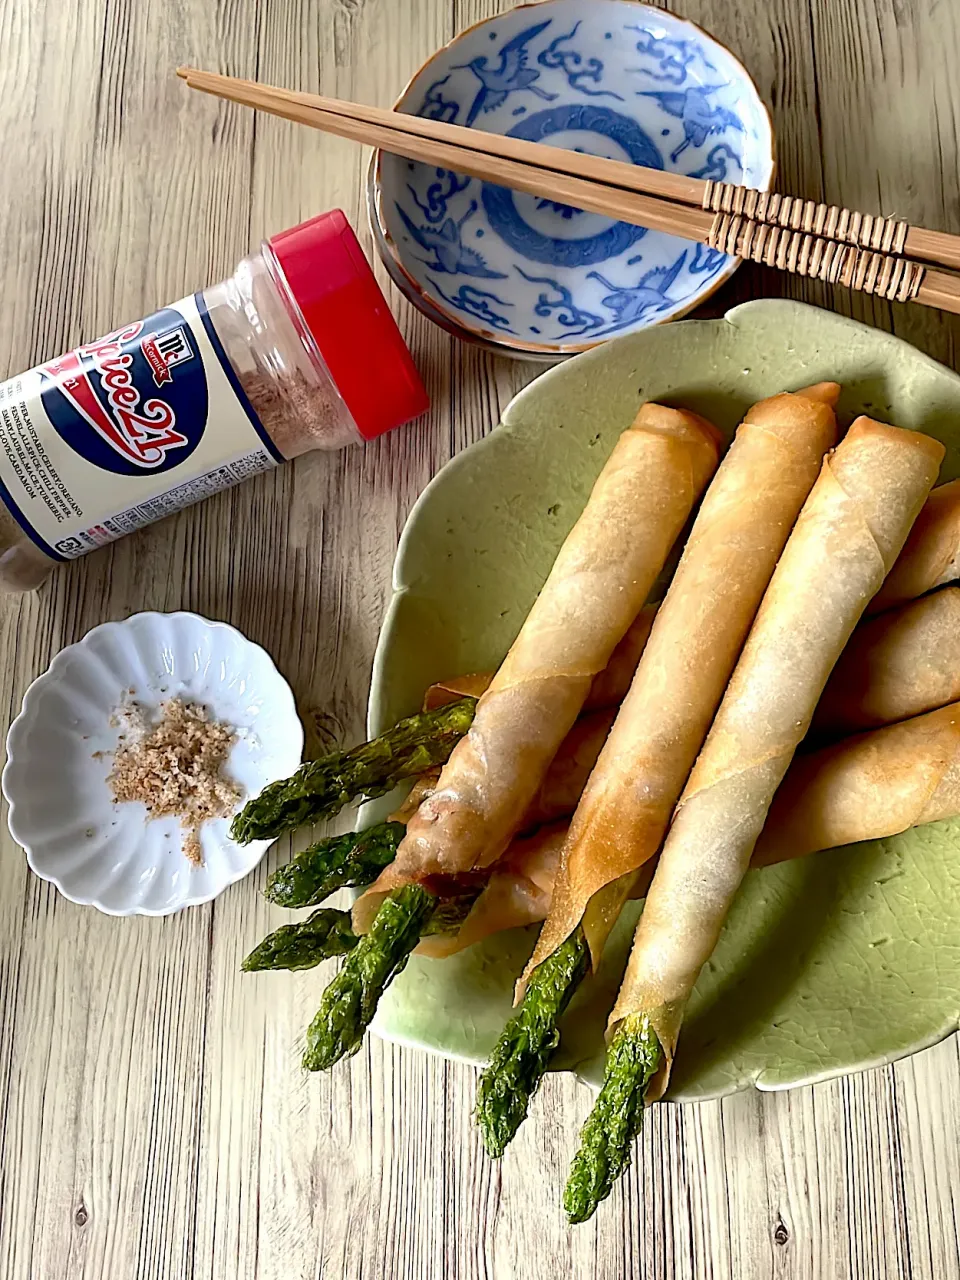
(155, 1120)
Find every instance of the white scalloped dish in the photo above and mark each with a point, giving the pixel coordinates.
(59, 754)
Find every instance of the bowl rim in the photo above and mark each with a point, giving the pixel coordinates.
(424, 304)
(52, 673)
(421, 299)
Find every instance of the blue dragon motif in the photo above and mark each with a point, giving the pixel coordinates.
(697, 114)
(476, 302)
(450, 254)
(573, 67)
(562, 307)
(706, 261)
(630, 303)
(566, 211)
(434, 204)
(673, 57)
(715, 166)
(508, 75)
(436, 107)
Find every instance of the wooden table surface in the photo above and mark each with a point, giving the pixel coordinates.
(155, 1121)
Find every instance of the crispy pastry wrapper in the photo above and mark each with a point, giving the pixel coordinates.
(444, 692)
(868, 787)
(896, 666)
(733, 548)
(931, 554)
(849, 533)
(608, 686)
(518, 892)
(596, 588)
(562, 785)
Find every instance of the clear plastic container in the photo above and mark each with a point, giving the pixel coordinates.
(297, 350)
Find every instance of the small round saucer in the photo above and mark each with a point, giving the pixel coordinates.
(59, 754)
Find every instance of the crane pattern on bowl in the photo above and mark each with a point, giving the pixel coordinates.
(616, 79)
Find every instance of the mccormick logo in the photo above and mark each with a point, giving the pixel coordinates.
(164, 351)
(98, 382)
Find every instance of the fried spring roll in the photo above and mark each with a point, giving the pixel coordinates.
(740, 531)
(563, 782)
(868, 787)
(608, 686)
(897, 665)
(850, 531)
(931, 555)
(614, 680)
(518, 892)
(597, 587)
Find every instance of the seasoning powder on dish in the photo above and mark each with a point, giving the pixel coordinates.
(174, 768)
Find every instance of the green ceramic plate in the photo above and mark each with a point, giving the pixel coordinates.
(841, 961)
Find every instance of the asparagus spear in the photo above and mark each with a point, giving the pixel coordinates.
(617, 1116)
(328, 932)
(450, 914)
(320, 788)
(356, 858)
(526, 1044)
(302, 945)
(350, 1001)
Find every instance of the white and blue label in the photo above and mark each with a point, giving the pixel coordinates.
(126, 430)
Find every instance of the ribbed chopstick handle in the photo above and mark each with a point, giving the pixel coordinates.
(805, 254)
(865, 230)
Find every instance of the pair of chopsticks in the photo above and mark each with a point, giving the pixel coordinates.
(872, 254)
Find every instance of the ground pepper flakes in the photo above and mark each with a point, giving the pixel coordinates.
(174, 768)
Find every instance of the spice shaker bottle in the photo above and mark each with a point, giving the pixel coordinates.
(297, 350)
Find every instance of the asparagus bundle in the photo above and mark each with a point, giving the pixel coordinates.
(426, 741)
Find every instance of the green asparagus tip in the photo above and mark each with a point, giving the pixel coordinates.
(350, 1001)
(338, 862)
(320, 788)
(527, 1043)
(323, 934)
(633, 1057)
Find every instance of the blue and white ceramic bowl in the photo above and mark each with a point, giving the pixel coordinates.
(609, 77)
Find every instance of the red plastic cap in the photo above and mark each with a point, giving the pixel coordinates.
(345, 311)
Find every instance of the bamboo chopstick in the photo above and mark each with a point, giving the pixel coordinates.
(614, 173)
(623, 191)
(556, 183)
